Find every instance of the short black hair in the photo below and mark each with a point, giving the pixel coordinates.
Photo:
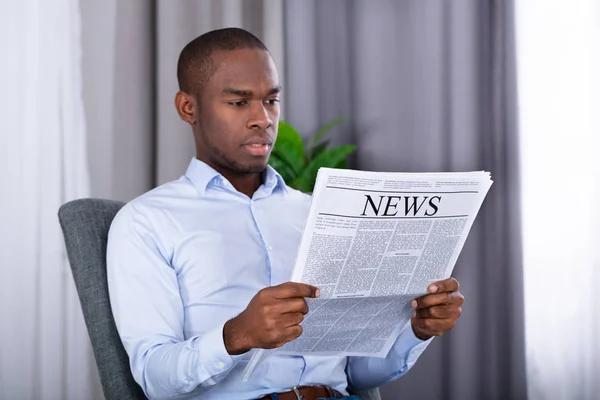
(195, 65)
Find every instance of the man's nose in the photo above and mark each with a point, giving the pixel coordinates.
(259, 117)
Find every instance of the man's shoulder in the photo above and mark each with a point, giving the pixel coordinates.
(173, 200)
(292, 204)
(165, 194)
(296, 195)
(155, 201)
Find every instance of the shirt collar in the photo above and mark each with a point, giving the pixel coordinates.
(202, 176)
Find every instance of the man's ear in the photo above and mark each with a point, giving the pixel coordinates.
(186, 107)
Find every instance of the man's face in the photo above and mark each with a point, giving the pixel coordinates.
(238, 112)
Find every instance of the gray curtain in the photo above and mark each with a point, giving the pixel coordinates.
(429, 86)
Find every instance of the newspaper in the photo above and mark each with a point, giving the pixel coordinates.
(373, 242)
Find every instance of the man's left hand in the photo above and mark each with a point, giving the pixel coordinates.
(436, 313)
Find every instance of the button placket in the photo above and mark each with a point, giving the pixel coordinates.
(265, 244)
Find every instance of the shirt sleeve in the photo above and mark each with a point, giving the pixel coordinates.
(149, 315)
(369, 372)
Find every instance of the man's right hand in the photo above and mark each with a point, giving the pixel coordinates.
(271, 319)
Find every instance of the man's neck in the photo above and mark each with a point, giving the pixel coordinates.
(245, 183)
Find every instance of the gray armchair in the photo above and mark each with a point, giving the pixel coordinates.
(85, 224)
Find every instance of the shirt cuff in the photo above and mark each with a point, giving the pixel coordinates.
(211, 346)
(408, 340)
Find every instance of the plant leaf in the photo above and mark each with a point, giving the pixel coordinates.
(317, 149)
(303, 185)
(342, 164)
(328, 158)
(289, 147)
(326, 129)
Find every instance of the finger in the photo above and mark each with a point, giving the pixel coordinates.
(439, 312)
(293, 305)
(295, 289)
(430, 300)
(447, 285)
(435, 327)
(291, 319)
(280, 335)
(291, 333)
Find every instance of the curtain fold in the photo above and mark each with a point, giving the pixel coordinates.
(429, 86)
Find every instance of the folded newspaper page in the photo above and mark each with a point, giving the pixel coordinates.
(373, 242)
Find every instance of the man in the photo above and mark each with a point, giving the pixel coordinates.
(198, 268)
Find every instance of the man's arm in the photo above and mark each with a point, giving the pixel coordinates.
(434, 314)
(369, 372)
(149, 314)
(148, 311)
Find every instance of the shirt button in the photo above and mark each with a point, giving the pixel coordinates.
(269, 248)
(221, 364)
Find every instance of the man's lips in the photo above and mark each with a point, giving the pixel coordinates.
(258, 148)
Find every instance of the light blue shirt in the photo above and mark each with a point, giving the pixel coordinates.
(188, 256)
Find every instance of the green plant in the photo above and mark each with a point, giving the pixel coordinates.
(298, 162)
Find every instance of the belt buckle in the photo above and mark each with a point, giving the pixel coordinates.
(297, 393)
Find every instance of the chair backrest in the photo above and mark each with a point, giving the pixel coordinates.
(85, 225)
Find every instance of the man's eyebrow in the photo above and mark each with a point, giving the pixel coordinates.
(275, 90)
(249, 93)
(238, 92)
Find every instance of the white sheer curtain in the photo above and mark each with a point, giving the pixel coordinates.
(559, 84)
(44, 347)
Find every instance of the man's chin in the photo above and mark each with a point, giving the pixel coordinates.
(251, 168)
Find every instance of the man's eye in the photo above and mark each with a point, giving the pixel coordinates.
(273, 101)
(239, 103)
